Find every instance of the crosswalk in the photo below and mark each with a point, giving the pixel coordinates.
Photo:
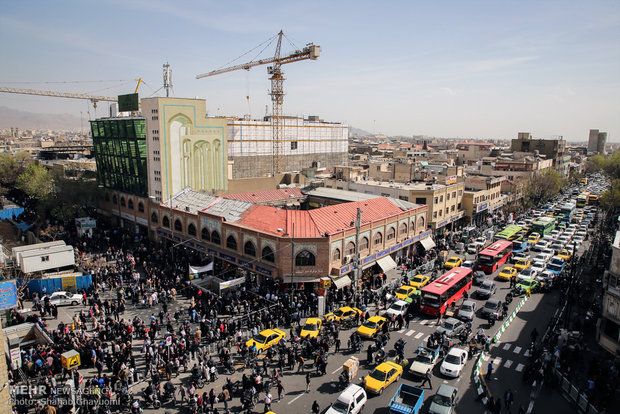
(507, 362)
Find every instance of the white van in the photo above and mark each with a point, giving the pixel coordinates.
(351, 401)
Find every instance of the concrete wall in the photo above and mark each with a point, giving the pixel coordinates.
(262, 165)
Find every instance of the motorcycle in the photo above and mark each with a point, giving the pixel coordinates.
(135, 407)
(399, 348)
(197, 379)
(152, 400)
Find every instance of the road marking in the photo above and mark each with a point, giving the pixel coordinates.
(423, 321)
(530, 407)
(410, 333)
(527, 353)
(432, 323)
(506, 347)
(426, 339)
(416, 319)
(445, 381)
(497, 361)
(486, 357)
(517, 349)
(419, 335)
(338, 369)
(519, 367)
(296, 398)
(401, 331)
(508, 364)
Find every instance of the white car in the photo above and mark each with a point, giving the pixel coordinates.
(64, 298)
(351, 401)
(538, 267)
(453, 363)
(397, 308)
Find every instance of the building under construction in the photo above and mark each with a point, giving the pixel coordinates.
(306, 143)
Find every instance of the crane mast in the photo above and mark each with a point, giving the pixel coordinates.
(311, 52)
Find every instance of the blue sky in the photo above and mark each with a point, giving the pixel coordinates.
(477, 69)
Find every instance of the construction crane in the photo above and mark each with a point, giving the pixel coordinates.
(93, 98)
(311, 51)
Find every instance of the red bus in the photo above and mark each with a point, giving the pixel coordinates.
(494, 256)
(439, 294)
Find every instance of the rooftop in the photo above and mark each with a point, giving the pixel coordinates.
(259, 197)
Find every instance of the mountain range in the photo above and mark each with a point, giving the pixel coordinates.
(29, 120)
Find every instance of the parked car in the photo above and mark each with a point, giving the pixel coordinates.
(453, 363)
(64, 298)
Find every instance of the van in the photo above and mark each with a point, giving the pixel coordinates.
(351, 401)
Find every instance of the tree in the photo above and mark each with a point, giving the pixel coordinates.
(542, 186)
(36, 182)
(11, 166)
(610, 199)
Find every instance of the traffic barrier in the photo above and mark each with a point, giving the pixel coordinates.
(571, 394)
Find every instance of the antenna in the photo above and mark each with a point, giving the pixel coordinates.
(167, 79)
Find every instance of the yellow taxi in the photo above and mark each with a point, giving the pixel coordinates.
(345, 313)
(371, 326)
(404, 292)
(565, 254)
(311, 328)
(533, 239)
(507, 273)
(266, 339)
(419, 281)
(522, 265)
(453, 262)
(382, 376)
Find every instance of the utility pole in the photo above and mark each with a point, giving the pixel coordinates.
(292, 263)
(356, 273)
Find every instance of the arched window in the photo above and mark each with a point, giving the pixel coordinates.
(122, 201)
(336, 255)
(268, 254)
(191, 229)
(231, 243)
(154, 218)
(165, 222)
(205, 235)
(403, 229)
(377, 239)
(412, 228)
(141, 207)
(420, 225)
(304, 258)
(114, 199)
(249, 249)
(364, 244)
(391, 233)
(178, 226)
(215, 237)
(350, 248)
(130, 204)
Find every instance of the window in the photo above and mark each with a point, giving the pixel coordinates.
(165, 222)
(460, 193)
(377, 239)
(454, 194)
(130, 204)
(231, 243)
(391, 233)
(364, 243)
(441, 199)
(304, 258)
(293, 145)
(420, 224)
(336, 255)
(452, 208)
(205, 235)
(349, 249)
(420, 200)
(178, 226)
(441, 213)
(154, 218)
(268, 254)
(123, 204)
(402, 229)
(404, 198)
(436, 200)
(191, 229)
(435, 215)
(447, 196)
(447, 210)
(141, 207)
(412, 226)
(215, 237)
(45, 258)
(249, 249)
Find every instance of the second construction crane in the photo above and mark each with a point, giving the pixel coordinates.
(311, 51)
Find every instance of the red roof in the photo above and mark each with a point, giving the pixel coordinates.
(266, 196)
(318, 222)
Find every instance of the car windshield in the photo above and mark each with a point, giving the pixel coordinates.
(424, 358)
(487, 285)
(396, 307)
(340, 407)
(260, 338)
(447, 325)
(466, 307)
(402, 291)
(370, 324)
(491, 305)
(453, 359)
(441, 400)
(338, 313)
(310, 327)
(527, 283)
(418, 279)
(378, 375)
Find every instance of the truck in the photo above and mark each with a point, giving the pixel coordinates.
(425, 359)
(407, 400)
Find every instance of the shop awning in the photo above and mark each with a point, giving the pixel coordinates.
(341, 282)
(428, 243)
(386, 263)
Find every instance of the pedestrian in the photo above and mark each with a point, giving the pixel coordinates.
(508, 399)
(497, 407)
(280, 390)
(337, 343)
(315, 407)
(489, 371)
(267, 402)
(301, 364)
(427, 379)
(308, 382)
(521, 409)
(439, 317)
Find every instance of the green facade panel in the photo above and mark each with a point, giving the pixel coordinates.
(120, 154)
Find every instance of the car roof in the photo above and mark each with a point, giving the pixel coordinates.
(493, 301)
(387, 365)
(468, 302)
(446, 390)
(400, 302)
(452, 320)
(349, 393)
(456, 350)
(376, 318)
(313, 320)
